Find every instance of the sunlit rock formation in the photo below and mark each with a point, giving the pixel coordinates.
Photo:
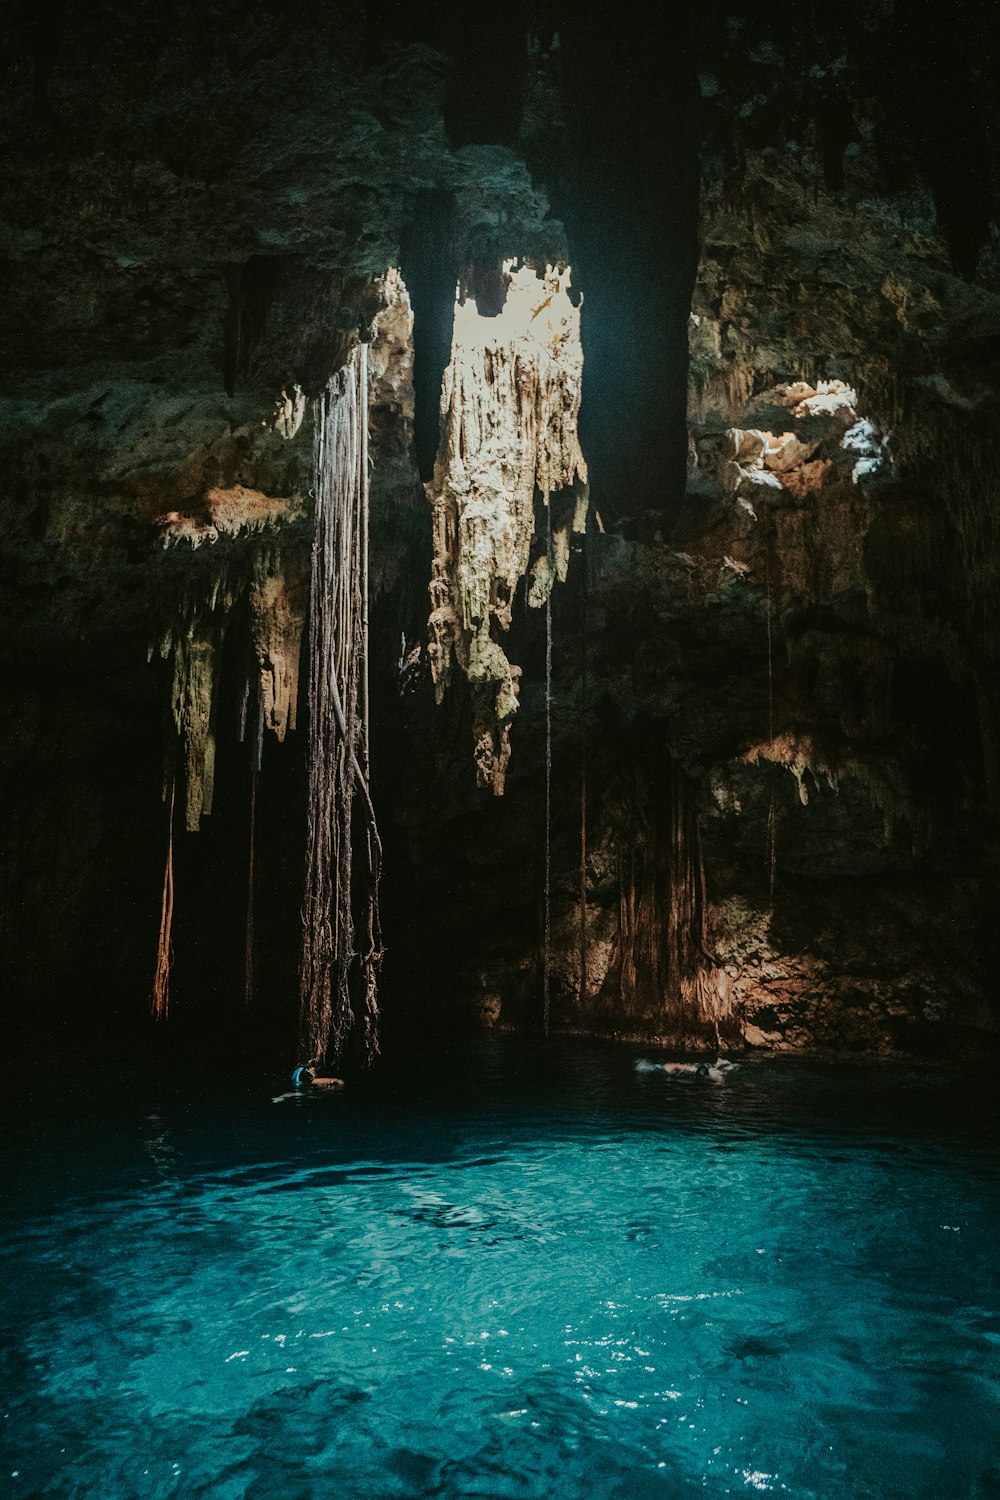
(510, 404)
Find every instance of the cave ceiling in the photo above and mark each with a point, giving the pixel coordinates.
(784, 233)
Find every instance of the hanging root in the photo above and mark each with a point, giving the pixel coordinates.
(663, 944)
(250, 939)
(160, 998)
(702, 981)
(547, 962)
(583, 867)
(334, 977)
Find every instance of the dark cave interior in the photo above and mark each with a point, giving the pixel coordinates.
(775, 671)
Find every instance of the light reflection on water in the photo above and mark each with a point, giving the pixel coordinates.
(542, 1275)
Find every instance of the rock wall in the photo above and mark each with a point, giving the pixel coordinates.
(798, 647)
(774, 719)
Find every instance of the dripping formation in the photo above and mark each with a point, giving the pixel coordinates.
(269, 582)
(341, 958)
(510, 402)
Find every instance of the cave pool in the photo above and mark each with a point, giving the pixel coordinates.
(514, 1271)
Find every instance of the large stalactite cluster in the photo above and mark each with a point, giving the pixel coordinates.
(248, 563)
(270, 585)
(266, 585)
(510, 485)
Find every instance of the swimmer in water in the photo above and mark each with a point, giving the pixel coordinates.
(711, 1072)
(304, 1079)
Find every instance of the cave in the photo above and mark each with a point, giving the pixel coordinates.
(501, 614)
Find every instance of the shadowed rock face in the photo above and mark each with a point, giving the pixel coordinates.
(774, 660)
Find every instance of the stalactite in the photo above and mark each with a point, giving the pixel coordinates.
(509, 407)
(271, 579)
(335, 974)
(799, 754)
(277, 619)
(160, 999)
(882, 781)
(194, 699)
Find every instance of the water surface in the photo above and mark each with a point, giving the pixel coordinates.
(519, 1273)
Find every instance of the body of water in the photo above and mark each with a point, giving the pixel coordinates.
(522, 1272)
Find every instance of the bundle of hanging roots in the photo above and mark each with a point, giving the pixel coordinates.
(341, 958)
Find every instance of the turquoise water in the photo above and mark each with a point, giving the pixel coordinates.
(530, 1275)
